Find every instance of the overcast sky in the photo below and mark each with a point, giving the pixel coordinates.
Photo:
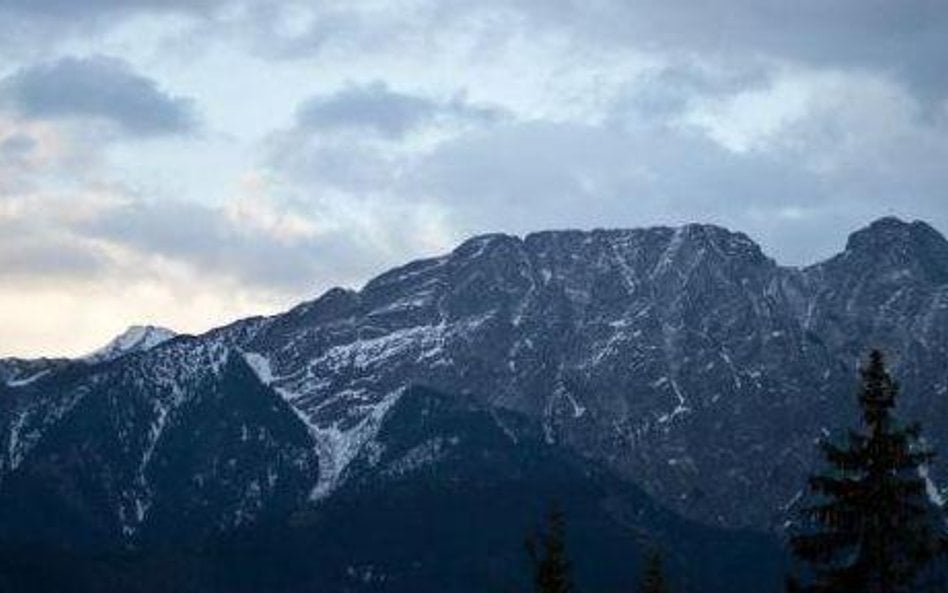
(189, 162)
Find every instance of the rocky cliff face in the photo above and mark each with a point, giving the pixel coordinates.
(683, 359)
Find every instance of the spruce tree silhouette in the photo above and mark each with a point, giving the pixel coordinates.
(872, 527)
(653, 579)
(552, 572)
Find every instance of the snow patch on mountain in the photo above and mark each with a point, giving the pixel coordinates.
(338, 442)
(137, 338)
(28, 380)
(260, 365)
(931, 490)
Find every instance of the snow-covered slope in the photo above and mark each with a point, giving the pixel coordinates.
(137, 338)
(682, 358)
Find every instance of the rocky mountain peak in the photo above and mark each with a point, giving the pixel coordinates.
(891, 244)
(888, 232)
(725, 241)
(481, 244)
(690, 238)
(137, 338)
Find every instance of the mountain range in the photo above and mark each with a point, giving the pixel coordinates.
(665, 385)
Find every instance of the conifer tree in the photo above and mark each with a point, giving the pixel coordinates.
(547, 550)
(872, 528)
(653, 579)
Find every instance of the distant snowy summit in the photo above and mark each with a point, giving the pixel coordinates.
(137, 338)
(21, 372)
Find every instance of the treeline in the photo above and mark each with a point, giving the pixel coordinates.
(873, 522)
(552, 571)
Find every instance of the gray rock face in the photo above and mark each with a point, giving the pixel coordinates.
(682, 357)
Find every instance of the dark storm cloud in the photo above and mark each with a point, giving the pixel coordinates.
(375, 107)
(97, 87)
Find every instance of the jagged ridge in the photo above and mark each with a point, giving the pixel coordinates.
(682, 358)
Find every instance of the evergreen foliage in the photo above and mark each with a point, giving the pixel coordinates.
(653, 579)
(547, 551)
(872, 527)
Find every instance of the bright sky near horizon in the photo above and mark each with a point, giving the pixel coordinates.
(185, 163)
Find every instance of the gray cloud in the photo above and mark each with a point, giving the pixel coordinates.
(69, 9)
(907, 39)
(667, 91)
(32, 247)
(539, 175)
(592, 137)
(97, 87)
(16, 147)
(373, 107)
(799, 193)
(205, 238)
(376, 108)
(49, 257)
(333, 142)
(35, 28)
